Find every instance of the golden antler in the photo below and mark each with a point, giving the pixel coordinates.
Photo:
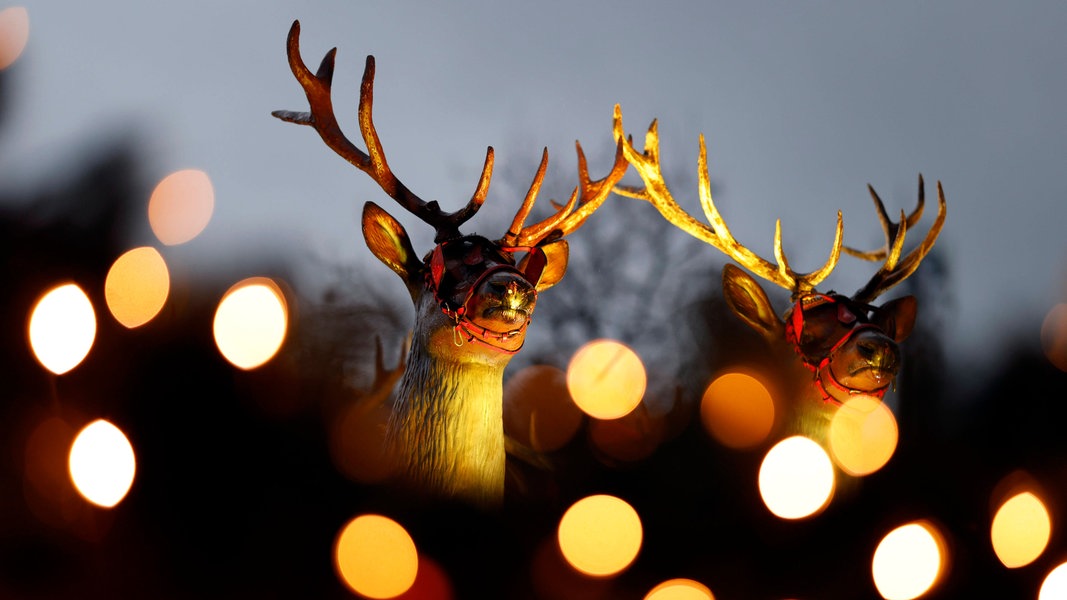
(584, 200)
(894, 270)
(718, 235)
(321, 117)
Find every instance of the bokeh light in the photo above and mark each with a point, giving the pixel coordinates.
(863, 435)
(737, 410)
(14, 33)
(1054, 336)
(538, 410)
(1021, 529)
(137, 286)
(102, 464)
(606, 379)
(600, 535)
(62, 328)
(908, 561)
(375, 557)
(1054, 587)
(251, 322)
(796, 479)
(680, 589)
(181, 206)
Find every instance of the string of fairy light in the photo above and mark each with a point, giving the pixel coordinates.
(598, 536)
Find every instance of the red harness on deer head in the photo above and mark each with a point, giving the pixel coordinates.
(849, 313)
(439, 280)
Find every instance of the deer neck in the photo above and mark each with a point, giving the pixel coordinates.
(447, 425)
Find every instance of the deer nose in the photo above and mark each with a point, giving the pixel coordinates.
(877, 349)
(513, 288)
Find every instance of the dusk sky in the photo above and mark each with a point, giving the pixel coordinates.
(802, 104)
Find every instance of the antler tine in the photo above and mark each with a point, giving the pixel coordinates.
(321, 117)
(587, 196)
(895, 270)
(887, 225)
(718, 234)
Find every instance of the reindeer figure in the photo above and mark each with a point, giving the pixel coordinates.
(473, 299)
(849, 345)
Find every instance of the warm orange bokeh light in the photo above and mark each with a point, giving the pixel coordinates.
(1054, 336)
(181, 206)
(1020, 530)
(863, 435)
(796, 479)
(62, 328)
(1054, 587)
(680, 589)
(102, 463)
(375, 557)
(251, 322)
(908, 561)
(538, 410)
(137, 286)
(14, 33)
(606, 379)
(600, 535)
(737, 410)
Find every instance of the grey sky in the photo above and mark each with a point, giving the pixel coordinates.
(802, 104)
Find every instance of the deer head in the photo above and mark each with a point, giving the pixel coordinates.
(474, 296)
(849, 345)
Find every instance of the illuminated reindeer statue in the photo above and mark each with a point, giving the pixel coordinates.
(848, 345)
(473, 299)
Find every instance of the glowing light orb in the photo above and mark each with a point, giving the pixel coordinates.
(137, 286)
(14, 33)
(737, 410)
(796, 479)
(680, 589)
(250, 322)
(538, 410)
(908, 561)
(1054, 336)
(1054, 587)
(606, 379)
(375, 557)
(102, 463)
(1021, 530)
(863, 435)
(181, 206)
(62, 328)
(600, 535)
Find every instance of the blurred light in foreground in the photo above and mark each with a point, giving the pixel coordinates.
(796, 478)
(1054, 336)
(538, 410)
(181, 206)
(62, 328)
(1021, 530)
(102, 464)
(600, 535)
(908, 561)
(863, 435)
(250, 322)
(137, 286)
(606, 379)
(14, 33)
(680, 589)
(1055, 585)
(737, 410)
(375, 557)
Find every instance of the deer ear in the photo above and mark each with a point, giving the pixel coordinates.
(556, 253)
(897, 317)
(388, 240)
(748, 300)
